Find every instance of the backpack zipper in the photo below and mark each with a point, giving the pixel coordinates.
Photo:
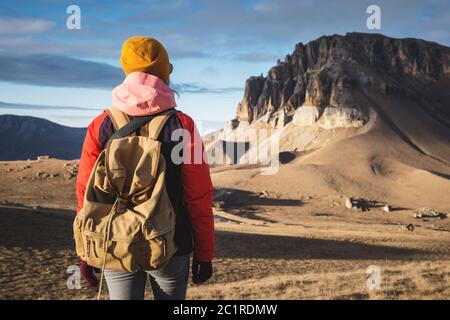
(164, 247)
(88, 248)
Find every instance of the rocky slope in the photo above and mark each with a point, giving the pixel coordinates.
(24, 138)
(327, 71)
(361, 114)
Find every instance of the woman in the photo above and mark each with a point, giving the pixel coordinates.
(146, 91)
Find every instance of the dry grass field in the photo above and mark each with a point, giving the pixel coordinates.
(267, 247)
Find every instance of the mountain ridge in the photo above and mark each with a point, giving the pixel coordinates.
(317, 73)
(26, 137)
(362, 115)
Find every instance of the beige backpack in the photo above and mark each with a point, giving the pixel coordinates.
(127, 221)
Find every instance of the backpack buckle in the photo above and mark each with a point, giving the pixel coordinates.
(122, 202)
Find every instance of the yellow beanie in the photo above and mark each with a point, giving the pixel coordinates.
(147, 55)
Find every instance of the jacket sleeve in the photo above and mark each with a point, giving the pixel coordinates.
(197, 191)
(89, 154)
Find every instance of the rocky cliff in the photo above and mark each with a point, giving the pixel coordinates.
(330, 71)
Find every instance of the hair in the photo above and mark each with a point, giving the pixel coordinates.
(174, 91)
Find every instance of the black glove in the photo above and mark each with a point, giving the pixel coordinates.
(201, 271)
(88, 274)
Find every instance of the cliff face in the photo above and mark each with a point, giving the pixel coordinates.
(328, 71)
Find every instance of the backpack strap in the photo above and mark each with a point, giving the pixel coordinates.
(156, 124)
(118, 118)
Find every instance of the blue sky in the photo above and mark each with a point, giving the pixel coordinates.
(66, 75)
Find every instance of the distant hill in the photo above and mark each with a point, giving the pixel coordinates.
(23, 137)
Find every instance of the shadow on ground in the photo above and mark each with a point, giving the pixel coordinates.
(263, 246)
(25, 227)
(235, 197)
(30, 229)
(245, 203)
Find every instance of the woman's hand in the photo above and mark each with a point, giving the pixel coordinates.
(88, 274)
(201, 271)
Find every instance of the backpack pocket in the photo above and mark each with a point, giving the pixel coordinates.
(161, 244)
(100, 179)
(77, 236)
(94, 248)
(119, 252)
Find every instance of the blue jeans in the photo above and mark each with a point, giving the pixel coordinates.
(168, 283)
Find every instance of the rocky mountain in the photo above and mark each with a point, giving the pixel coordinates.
(360, 114)
(348, 82)
(331, 72)
(24, 138)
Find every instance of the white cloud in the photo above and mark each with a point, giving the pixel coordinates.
(210, 71)
(9, 25)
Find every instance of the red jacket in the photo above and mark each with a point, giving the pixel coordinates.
(197, 189)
